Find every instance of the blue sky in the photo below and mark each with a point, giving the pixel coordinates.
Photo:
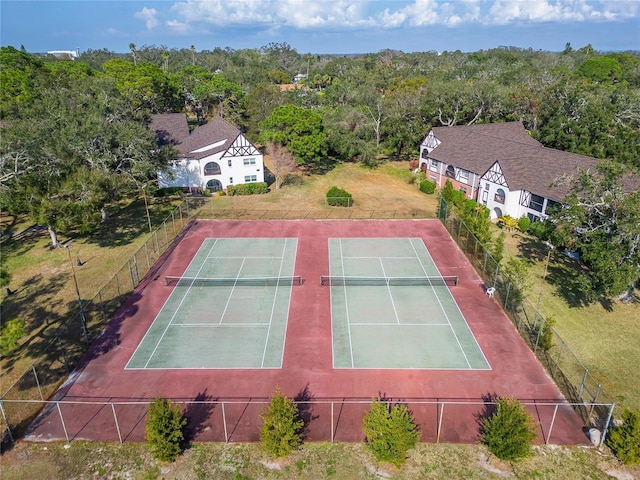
(321, 26)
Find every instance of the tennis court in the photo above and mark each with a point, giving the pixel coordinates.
(391, 308)
(228, 309)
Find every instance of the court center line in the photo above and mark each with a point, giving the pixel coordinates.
(177, 310)
(464, 354)
(346, 305)
(393, 304)
(386, 324)
(273, 304)
(232, 290)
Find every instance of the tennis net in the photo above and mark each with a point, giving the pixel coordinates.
(338, 281)
(226, 282)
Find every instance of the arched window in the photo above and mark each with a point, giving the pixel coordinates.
(212, 168)
(500, 196)
(214, 185)
(450, 171)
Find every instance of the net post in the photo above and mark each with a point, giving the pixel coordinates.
(332, 424)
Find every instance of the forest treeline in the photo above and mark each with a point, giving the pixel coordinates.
(75, 139)
(579, 100)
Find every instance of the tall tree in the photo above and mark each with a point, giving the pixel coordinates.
(298, 129)
(282, 162)
(601, 220)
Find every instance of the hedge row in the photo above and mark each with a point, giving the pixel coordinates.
(255, 188)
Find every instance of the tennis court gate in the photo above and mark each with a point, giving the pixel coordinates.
(328, 420)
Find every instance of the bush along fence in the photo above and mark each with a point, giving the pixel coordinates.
(574, 379)
(72, 338)
(325, 420)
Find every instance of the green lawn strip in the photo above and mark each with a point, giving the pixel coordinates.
(338, 461)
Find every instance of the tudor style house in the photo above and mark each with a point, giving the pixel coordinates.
(500, 166)
(212, 156)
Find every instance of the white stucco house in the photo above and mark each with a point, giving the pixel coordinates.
(212, 156)
(499, 165)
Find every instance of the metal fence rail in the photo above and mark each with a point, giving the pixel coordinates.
(573, 378)
(238, 420)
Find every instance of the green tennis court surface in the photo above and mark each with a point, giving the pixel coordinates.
(228, 310)
(402, 315)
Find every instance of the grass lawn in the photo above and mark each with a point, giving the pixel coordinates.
(605, 336)
(338, 461)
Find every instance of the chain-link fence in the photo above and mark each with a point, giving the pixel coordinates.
(575, 380)
(328, 420)
(85, 323)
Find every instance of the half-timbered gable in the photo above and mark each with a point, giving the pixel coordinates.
(213, 156)
(500, 166)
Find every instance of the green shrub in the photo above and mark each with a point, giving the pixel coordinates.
(498, 248)
(540, 230)
(169, 191)
(11, 333)
(509, 431)
(164, 430)
(255, 188)
(390, 433)
(281, 429)
(427, 186)
(337, 197)
(206, 192)
(524, 223)
(545, 341)
(624, 440)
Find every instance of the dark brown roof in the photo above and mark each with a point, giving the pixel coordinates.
(172, 128)
(525, 163)
(169, 128)
(217, 130)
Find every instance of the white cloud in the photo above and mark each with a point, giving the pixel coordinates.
(149, 15)
(276, 15)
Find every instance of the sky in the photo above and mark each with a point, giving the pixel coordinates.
(321, 26)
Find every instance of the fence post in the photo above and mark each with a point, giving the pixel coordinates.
(224, 423)
(64, 427)
(146, 252)
(6, 421)
(584, 380)
(605, 430)
(553, 419)
(133, 282)
(35, 375)
(115, 418)
(332, 424)
(441, 414)
(595, 399)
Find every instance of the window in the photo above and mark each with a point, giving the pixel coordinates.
(433, 164)
(536, 203)
(432, 178)
(463, 175)
(450, 171)
(424, 153)
(229, 162)
(212, 168)
(533, 218)
(500, 196)
(486, 186)
(250, 178)
(249, 161)
(214, 185)
(463, 190)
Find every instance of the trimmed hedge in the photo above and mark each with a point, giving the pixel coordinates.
(337, 197)
(428, 187)
(255, 188)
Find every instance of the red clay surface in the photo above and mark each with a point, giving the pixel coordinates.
(307, 371)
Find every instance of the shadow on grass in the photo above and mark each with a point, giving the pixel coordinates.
(562, 272)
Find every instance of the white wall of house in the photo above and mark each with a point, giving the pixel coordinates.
(233, 171)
